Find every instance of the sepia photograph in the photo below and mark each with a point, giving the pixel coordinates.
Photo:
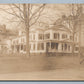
(41, 42)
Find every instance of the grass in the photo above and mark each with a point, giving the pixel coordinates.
(16, 63)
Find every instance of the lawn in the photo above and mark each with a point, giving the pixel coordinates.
(16, 64)
(19, 67)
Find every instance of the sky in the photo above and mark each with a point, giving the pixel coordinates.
(50, 14)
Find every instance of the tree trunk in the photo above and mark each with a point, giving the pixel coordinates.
(27, 42)
(26, 18)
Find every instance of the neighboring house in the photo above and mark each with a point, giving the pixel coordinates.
(3, 47)
(5, 36)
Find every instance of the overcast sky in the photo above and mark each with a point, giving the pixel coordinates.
(51, 12)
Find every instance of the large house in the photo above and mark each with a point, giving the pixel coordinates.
(44, 41)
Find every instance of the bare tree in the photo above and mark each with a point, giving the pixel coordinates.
(72, 24)
(27, 14)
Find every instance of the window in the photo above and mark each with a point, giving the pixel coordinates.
(56, 35)
(21, 47)
(33, 46)
(48, 44)
(30, 46)
(12, 47)
(33, 36)
(17, 48)
(64, 36)
(47, 36)
(62, 47)
(71, 38)
(40, 37)
(24, 47)
(65, 46)
(16, 41)
(76, 48)
(68, 47)
(40, 46)
(54, 46)
(22, 40)
(75, 38)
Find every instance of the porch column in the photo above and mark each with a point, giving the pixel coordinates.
(23, 47)
(51, 34)
(59, 47)
(45, 46)
(14, 49)
(50, 45)
(36, 45)
(19, 48)
(60, 36)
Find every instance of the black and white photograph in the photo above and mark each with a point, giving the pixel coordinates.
(41, 42)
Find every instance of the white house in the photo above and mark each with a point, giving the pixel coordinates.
(45, 41)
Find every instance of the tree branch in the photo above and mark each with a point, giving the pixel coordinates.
(37, 11)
